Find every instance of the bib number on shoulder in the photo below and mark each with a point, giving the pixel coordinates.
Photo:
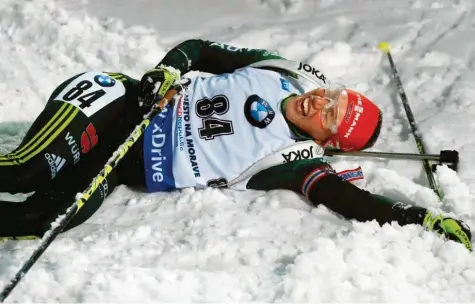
(91, 92)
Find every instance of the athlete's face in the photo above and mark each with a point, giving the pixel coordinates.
(306, 112)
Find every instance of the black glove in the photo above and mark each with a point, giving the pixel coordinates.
(155, 83)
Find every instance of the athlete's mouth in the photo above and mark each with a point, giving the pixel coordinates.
(304, 106)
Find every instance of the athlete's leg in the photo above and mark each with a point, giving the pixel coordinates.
(33, 217)
(64, 149)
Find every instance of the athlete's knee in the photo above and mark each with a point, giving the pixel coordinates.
(16, 177)
(41, 171)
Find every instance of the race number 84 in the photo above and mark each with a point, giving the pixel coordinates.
(87, 99)
(213, 127)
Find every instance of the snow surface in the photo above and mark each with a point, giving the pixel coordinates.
(227, 246)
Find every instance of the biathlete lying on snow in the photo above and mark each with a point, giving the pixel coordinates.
(255, 124)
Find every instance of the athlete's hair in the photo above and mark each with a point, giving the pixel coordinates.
(372, 140)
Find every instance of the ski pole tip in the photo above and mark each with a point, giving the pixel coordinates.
(384, 47)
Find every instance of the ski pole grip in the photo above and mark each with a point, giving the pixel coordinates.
(449, 158)
(166, 99)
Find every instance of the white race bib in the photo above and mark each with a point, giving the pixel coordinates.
(91, 92)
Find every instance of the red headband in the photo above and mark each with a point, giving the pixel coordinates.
(358, 124)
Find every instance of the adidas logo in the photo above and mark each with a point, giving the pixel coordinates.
(59, 161)
(55, 163)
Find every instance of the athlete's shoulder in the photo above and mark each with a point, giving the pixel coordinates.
(213, 57)
(121, 77)
(262, 54)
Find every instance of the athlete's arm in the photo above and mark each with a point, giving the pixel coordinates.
(318, 182)
(212, 57)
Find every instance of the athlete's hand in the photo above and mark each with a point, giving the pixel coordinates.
(155, 83)
(453, 229)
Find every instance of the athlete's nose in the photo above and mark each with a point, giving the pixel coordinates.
(318, 104)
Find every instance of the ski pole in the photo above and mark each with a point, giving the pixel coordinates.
(82, 198)
(449, 157)
(385, 47)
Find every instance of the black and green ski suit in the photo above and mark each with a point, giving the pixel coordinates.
(65, 148)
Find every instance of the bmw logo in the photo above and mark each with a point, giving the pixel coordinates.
(104, 80)
(258, 112)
